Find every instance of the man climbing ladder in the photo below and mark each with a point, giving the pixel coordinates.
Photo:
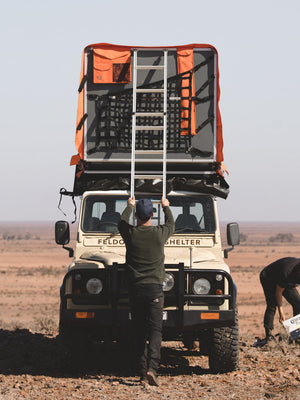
(145, 263)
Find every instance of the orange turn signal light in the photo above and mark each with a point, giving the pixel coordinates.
(210, 316)
(219, 291)
(84, 315)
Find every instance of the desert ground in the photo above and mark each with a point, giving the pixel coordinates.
(35, 365)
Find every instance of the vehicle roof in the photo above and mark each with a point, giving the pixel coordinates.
(127, 193)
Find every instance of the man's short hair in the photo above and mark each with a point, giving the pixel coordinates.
(144, 209)
(297, 274)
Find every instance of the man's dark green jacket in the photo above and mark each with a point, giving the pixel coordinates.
(145, 247)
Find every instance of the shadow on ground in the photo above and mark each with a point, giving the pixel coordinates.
(25, 352)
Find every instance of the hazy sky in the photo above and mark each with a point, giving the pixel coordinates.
(259, 60)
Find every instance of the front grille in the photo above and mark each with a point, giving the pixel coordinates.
(115, 290)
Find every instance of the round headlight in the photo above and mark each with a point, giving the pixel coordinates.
(201, 286)
(168, 282)
(94, 286)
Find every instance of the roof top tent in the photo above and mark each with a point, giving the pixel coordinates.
(128, 97)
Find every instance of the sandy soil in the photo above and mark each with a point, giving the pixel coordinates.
(35, 365)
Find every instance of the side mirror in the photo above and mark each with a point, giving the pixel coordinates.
(62, 235)
(62, 232)
(233, 234)
(233, 237)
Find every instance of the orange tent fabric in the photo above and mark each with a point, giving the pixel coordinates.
(79, 139)
(80, 112)
(185, 62)
(111, 66)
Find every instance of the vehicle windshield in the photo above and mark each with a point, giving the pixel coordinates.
(191, 214)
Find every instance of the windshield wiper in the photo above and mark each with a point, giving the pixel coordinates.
(114, 234)
(187, 229)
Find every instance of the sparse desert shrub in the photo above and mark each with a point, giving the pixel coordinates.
(282, 238)
(19, 236)
(47, 270)
(46, 325)
(7, 236)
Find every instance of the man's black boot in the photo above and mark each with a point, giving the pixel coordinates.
(152, 377)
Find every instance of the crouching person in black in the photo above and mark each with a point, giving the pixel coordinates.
(280, 279)
(145, 261)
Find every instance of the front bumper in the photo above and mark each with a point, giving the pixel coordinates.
(106, 318)
(104, 324)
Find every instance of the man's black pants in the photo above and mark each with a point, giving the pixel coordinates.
(146, 303)
(290, 294)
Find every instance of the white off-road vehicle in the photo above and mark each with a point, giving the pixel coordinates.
(151, 135)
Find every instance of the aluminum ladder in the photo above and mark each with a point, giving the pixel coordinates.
(140, 128)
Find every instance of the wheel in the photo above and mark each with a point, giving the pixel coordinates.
(224, 348)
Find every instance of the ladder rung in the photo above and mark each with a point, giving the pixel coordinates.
(149, 67)
(149, 128)
(148, 176)
(149, 114)
(150, 90)
(149, 152)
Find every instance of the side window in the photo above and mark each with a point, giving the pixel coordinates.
(121, 205)
(98, 209)
(93, 211)
(102, 214)
(197, 210)
(193, 215)
(176, 211)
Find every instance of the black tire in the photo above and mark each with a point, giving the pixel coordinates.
(224, 348)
